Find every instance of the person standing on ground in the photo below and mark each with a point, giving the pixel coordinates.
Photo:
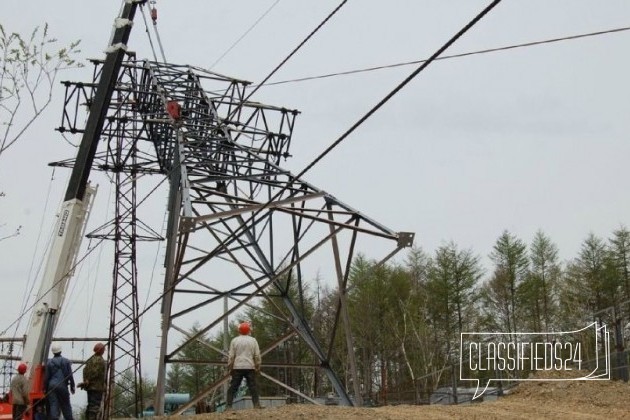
(19, 393)
(244, 362)
(58, 379)
(94, 381)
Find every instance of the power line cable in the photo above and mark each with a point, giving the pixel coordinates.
(51, 288)
(248, 222)
(446, 57)
(391, 94)
(97, 270)
(364, 118)
(287, 58)
(352, 128)
(345, 134)
(244, 35)
(79, 261)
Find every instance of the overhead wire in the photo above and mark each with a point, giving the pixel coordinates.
(30, 278)
(76, 264)
(50, 289)
(93, 292)
(69, 301)
(91, 276)
(447, 57)
(425, 63)
(244, 34)
(239, 106)
(336, 142)
(288, 57)
(155, 262)
(382, 102)
(78, 273)
(12, 235)
(243, 226)
(361, 120)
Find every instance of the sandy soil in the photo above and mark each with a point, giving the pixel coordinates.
(529, 400)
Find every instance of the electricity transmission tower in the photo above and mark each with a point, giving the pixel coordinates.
(241, 229)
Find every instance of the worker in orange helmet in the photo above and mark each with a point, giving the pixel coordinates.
(19, 393)
(244, 362)
(94, 381)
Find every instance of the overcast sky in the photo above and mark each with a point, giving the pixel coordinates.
(526, 139)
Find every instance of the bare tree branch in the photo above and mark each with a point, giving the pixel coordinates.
(28, 71)
(16, 233)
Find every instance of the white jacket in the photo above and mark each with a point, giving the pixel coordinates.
(244, 353)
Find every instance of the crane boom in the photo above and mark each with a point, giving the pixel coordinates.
(115, 53)
(77, 203)
(59, 269)
(62, 256)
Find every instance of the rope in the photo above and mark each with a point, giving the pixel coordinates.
(146, 27)
(157, 34)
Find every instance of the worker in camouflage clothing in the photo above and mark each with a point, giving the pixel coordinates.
(94, 381)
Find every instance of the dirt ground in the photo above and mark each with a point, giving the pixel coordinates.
(529, 400)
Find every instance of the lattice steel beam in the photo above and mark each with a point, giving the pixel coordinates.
(241, 227)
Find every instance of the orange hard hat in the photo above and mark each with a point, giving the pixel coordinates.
(22, 368)
(99, 348)
(244, 328)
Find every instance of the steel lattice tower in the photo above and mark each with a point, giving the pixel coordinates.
(121, 160)
(240, 228)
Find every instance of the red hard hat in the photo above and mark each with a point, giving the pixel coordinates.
(99, 348)
(244, 328)
(22, 368)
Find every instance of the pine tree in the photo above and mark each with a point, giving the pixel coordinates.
(175, 377)
(620, 250)
(594, 265)
(511, 268)
(540, 287)
(451, 291)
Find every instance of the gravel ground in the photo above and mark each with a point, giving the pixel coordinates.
(530, 400)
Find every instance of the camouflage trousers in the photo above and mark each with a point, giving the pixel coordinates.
(93, 411)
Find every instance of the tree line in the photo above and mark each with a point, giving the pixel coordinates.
(407, 317)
